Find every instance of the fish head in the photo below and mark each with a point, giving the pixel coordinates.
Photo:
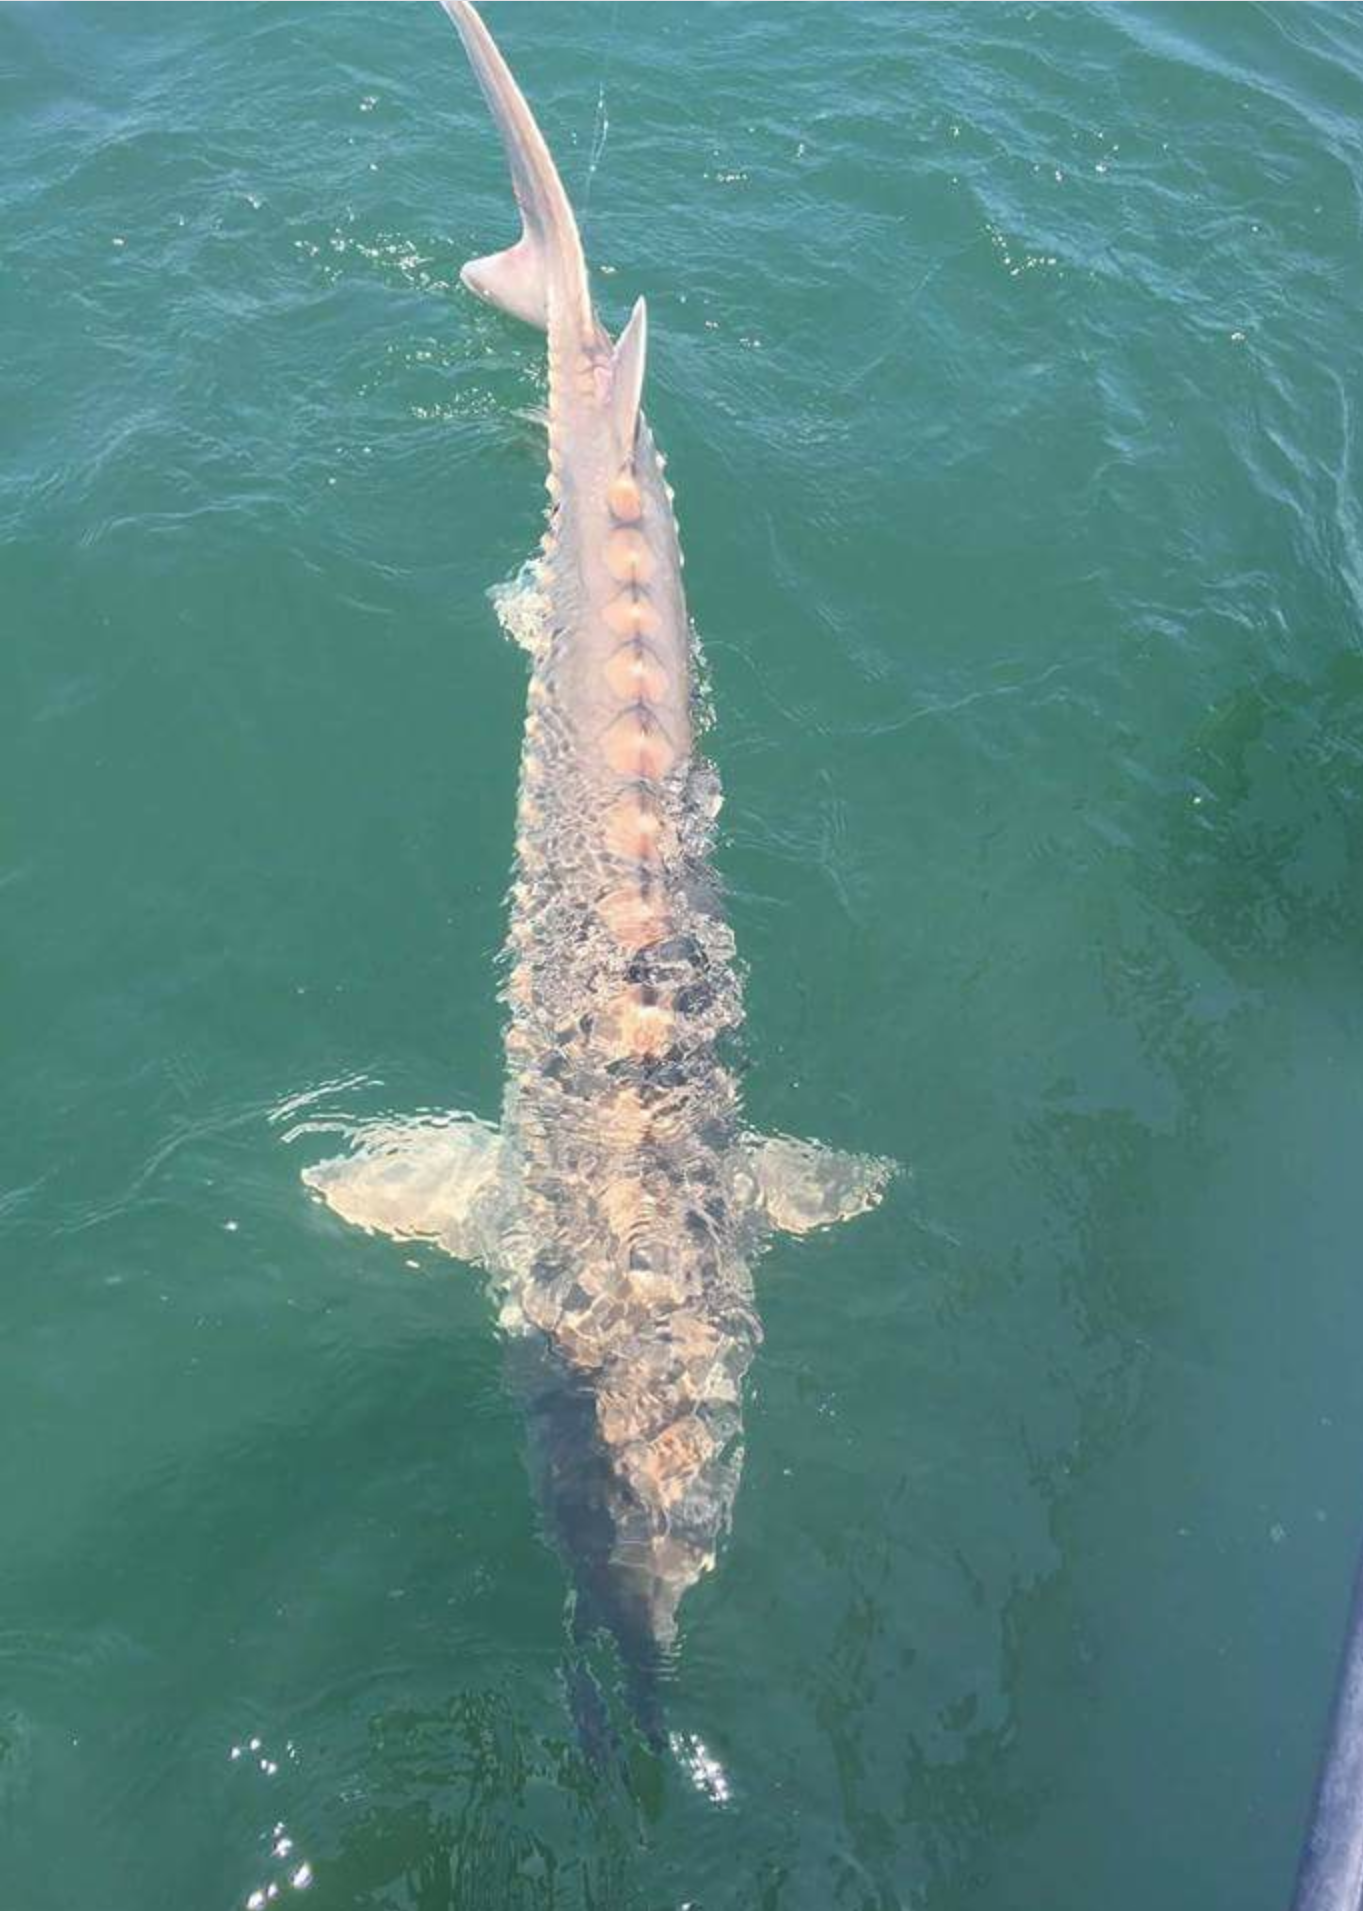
(670, 1431)
(638, 1437)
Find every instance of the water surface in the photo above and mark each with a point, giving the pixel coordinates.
(1008, 360)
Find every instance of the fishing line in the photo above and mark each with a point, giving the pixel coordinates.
(601, 128)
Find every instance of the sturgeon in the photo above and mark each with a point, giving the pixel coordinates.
(620, 1204)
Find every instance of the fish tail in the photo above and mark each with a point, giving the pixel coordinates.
(543, 277)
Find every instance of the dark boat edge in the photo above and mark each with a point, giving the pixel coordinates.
(1330, 1869)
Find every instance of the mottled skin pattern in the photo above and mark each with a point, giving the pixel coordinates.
(621, 1206)
(621, 1117)
(624, 1117)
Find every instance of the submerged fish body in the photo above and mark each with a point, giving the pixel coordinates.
(620, 1205)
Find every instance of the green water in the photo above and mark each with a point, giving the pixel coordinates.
(1009, 365)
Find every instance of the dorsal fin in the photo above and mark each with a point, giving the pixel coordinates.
(549, 252)
(627, 376)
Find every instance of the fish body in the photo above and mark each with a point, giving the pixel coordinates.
(620, 1204)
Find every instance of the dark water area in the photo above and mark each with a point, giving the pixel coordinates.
(1008, 361)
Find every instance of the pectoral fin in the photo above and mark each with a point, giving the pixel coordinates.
(431, 1179)
(801, 1185)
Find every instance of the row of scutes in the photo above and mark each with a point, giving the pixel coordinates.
(641, 1021)
(636, 745)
